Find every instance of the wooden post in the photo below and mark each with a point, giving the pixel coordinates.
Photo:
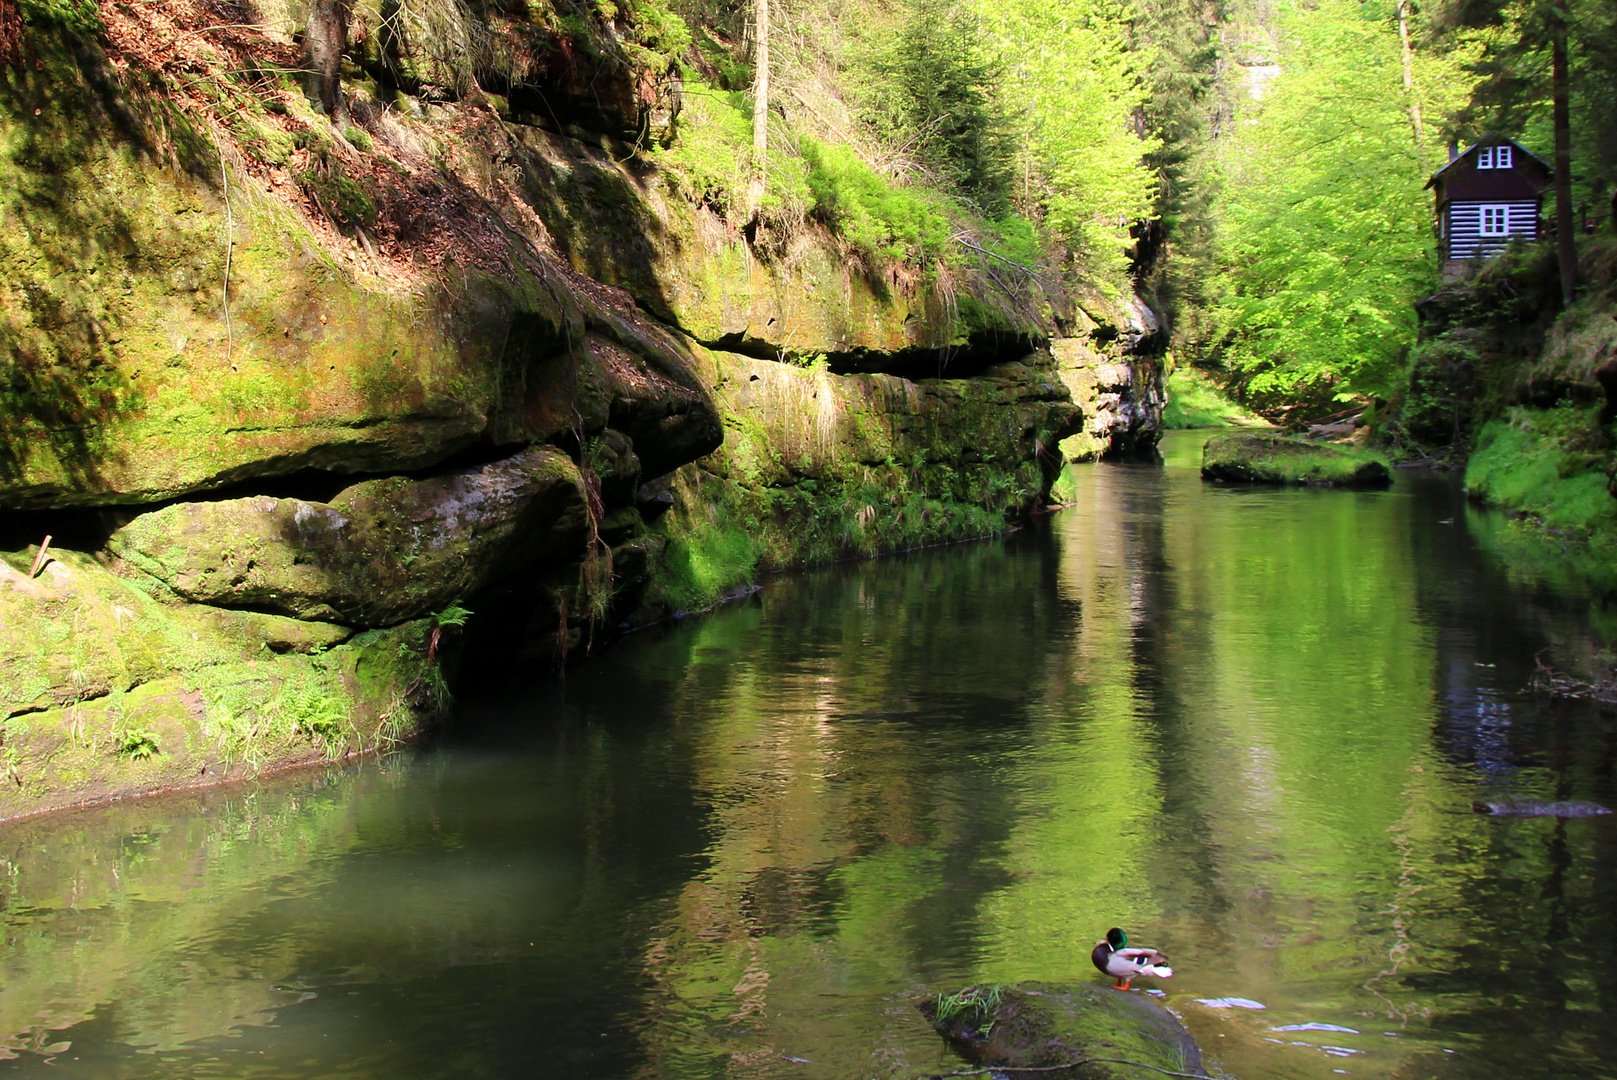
(1560, 90)
(40, 560)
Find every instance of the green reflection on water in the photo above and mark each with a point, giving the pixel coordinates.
(1246, 724)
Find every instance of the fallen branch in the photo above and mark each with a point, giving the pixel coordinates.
(1068, 1065)
(1558, 684)
(40, 559)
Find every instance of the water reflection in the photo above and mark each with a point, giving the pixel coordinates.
(1246, 724)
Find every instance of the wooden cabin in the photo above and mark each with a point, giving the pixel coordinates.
(1488, 196)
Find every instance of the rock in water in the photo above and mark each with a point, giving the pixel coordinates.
(1038, 1025)
(1534, 808)
(1267, 458)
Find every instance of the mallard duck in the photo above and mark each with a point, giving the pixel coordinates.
(1115, 958)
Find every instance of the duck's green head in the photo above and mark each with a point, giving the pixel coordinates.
(1117, 939)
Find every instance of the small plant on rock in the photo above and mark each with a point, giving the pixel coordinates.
(971, 1005)
(138, 745)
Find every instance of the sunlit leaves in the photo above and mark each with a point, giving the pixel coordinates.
(1327, 233)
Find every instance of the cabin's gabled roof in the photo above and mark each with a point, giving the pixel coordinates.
(1488, 140)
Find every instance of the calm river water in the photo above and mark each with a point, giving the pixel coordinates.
(1247, 725)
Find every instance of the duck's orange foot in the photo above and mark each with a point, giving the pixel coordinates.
(1123, 984)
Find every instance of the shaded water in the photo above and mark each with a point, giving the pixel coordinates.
(1248, 725)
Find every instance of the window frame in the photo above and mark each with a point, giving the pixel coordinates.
(1483, 212)
(1495, 157)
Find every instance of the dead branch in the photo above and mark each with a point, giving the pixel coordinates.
(40, 560)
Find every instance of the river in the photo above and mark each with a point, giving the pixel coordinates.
(1246, 725)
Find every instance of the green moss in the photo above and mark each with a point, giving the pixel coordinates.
(79, 16)
(1276, 459)
(1194, 402)
(1041, 1026)
(1550, 463)
(340, 195)
(817, 467)
(106, 690)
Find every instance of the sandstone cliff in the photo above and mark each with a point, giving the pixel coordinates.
(295, 404)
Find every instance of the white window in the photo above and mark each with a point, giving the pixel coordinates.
(1495, 221)
(1493, 157)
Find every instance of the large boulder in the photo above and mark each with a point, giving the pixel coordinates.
(1097, 1030)
(1265, 458)
(380, 553)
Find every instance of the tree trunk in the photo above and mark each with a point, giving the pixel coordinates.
(1560, 90)
(323, 45)
(1409, 73)
(760, 105)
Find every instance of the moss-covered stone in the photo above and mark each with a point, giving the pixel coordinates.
(1043, 1026)
(1264, 458)
(817, 466)
(105, 691)
(381, 552)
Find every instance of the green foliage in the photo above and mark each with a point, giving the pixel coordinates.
(974, 1003)
(308, 705)
(452, 616)
(1073, 90)
(698, 568)
(659, 37)
(138, 745)
(875, 217)
(711, 160)
(941, 98)
(1326, 242)
(1434, 405)
(1505, 46)
(359, 137)
(1550, 463)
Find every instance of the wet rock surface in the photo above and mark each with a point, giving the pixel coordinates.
(1043, 1026)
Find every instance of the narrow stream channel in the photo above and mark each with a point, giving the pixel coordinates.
(1248, 725)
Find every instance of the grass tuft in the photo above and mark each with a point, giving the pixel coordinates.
(1194, 401)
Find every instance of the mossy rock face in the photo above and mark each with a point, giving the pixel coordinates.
(619, 223)
(126, 378)
(1263, 458)
(1040, 1025)
(381, 552)
(106, 691)
(818, 466)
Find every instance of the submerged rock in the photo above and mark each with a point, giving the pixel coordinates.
(1267, 458)
(1534, 808)
(1039, 1025)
